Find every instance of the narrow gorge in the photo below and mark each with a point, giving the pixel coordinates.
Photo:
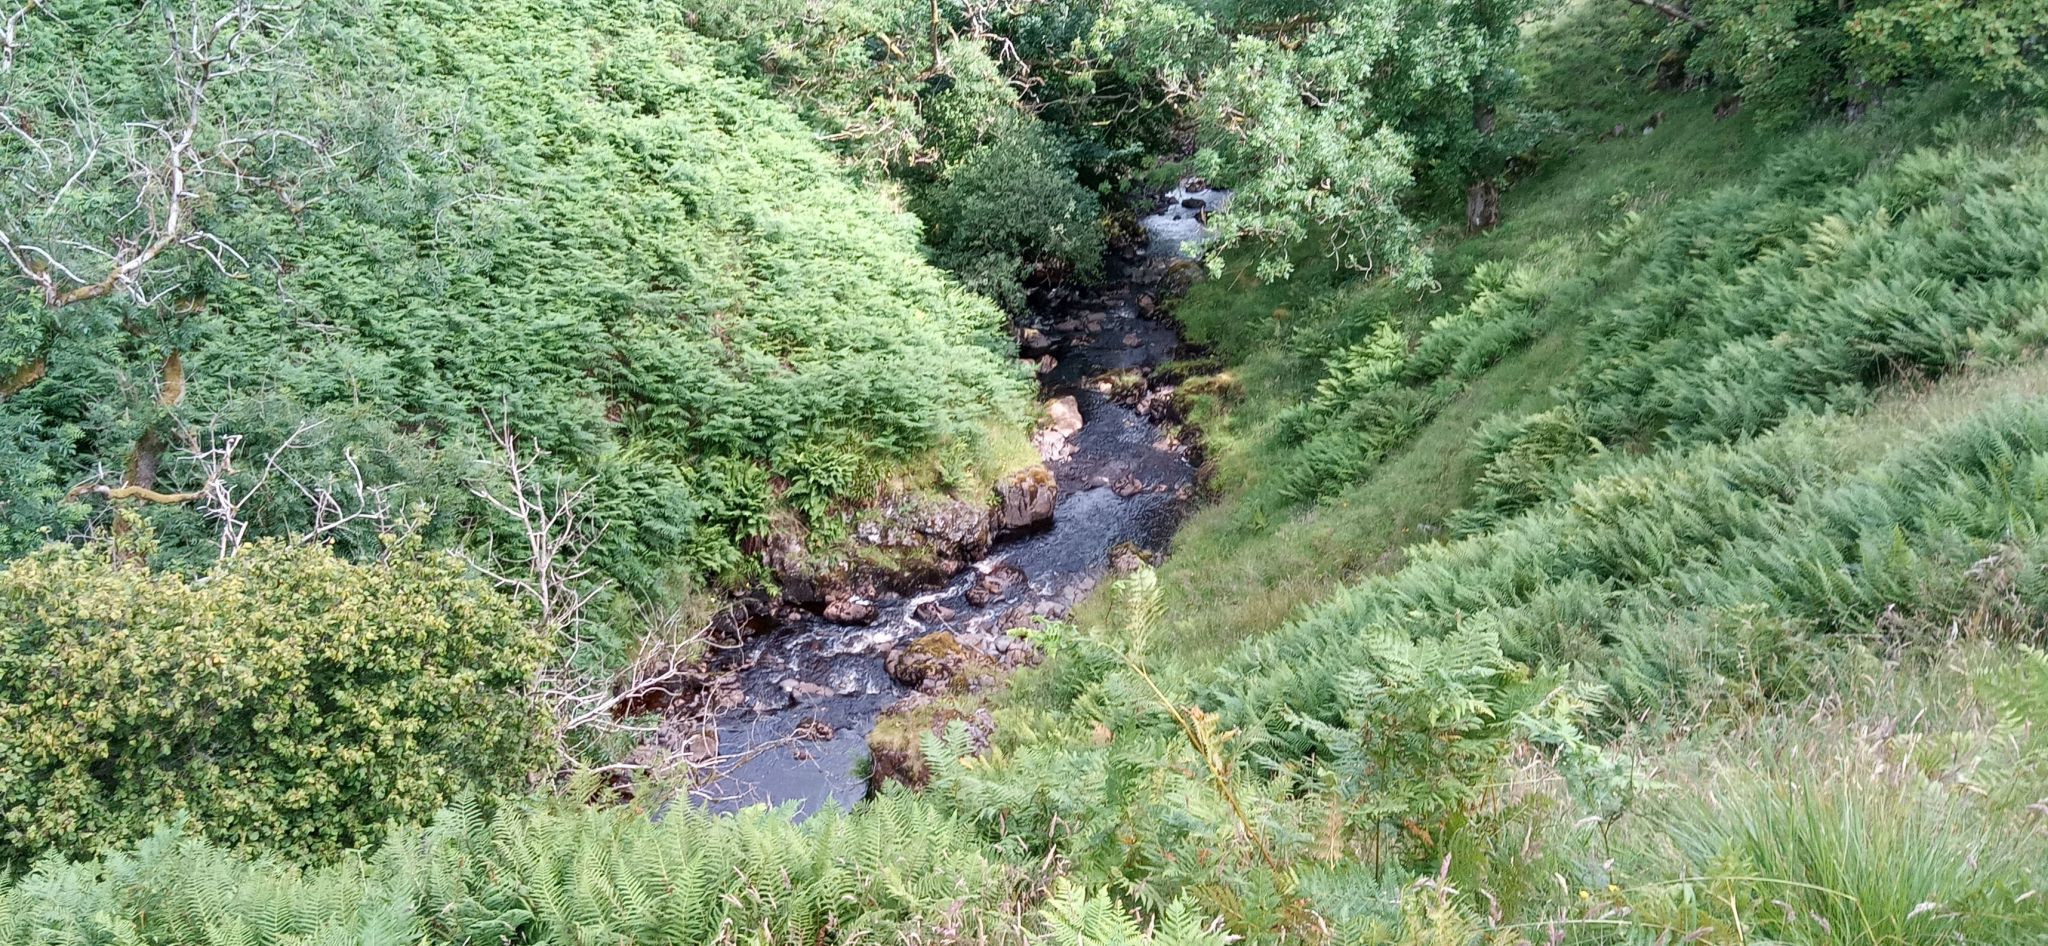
(801, 697)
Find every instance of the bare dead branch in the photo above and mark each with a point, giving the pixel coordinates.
(10, 33)
(166, 161)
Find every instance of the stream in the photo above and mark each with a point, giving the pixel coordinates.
(813, 689)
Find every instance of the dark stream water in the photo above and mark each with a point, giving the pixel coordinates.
(1123, 483)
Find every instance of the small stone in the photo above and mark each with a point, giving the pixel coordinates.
(932, 612)
(804, 691)
(996, 582)
(851, 610)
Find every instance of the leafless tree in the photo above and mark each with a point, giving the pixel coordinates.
(332, 503)
(550, 571)
(556, 535)
(10, 33)
(549, 567)
(74, 153)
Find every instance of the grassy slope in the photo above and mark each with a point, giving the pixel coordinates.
(1252, 559)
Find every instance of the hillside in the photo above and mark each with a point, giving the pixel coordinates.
(1622, 444)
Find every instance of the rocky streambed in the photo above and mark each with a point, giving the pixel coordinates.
(800, 698)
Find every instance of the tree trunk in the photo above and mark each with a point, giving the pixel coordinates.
(24, 377)
(1482, 206)
(1482, 197)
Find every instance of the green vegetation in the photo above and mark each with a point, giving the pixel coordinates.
(570, 221)
(1665, 563)
(560, 875)
(285, 698)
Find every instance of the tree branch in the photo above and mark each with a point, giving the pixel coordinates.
(1669, 11)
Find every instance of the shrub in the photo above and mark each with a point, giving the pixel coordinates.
(284, 698)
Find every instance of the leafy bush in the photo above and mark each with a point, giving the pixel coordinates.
(937, 102)
(284, 698)
(1009, 208)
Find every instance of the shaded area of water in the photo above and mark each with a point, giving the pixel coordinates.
(1122, 483)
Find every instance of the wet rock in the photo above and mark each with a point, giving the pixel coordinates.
(1063, 416)
(1062, 421)
(1127, 484)
(742, 616)
(850, 609)
(936, 663)
(813, 729)
(932, 612)
(1033, 342)
(1026, 499)
(1030, 615)
(996, 582)
(1162, 405)
(1146, 303)
(1127, 557)
(1132, 340)
(804, 691)
(1046, 363)
(1069, 326)
(1193, 203)
(896, 746)
(908, 541)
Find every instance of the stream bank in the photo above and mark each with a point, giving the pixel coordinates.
(807, 693)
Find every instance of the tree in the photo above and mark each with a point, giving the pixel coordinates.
(1332, 120)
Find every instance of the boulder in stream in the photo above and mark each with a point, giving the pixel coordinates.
(851, 609)
(996, 583)
(1061, 422)
(936, 663)
(896, 746)
(1026, 499)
